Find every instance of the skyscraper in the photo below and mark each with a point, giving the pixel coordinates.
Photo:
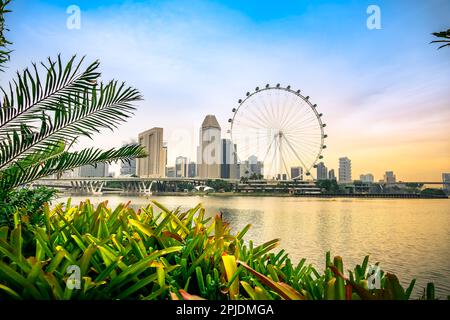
(331, 175)
(446, 182)
(154, 165)
(209, 151)
(256, 167)
(181, 167)
(322, 171)
(228, 166)
(345, 170)
(192, 169)
(297, 173)
(366, 177)
(389, 177)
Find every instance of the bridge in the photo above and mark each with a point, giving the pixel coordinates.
(129, 185)
(135, 185)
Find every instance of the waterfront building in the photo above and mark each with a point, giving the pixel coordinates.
(170, 172)
(331, 175)
(98, 170)
(228, 166)
(389, 177)
(192, 169)
(322, 171)
(345, 170)
(367, 178)
(128, 168)
(446, 182)
(297, 173)
(154, 164)
(181, 167)
(209, 151)
(256, 167)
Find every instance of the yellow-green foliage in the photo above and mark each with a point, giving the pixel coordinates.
(155, 253)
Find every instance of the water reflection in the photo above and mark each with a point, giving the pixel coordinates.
(410, 237)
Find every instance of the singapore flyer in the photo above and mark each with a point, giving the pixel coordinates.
(281, 127)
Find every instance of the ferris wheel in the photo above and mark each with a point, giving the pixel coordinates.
(279, 127)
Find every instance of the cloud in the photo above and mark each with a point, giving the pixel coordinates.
(193, 59)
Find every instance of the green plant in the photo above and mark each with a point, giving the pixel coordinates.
(155, 253)
(27, 202)
(219, 184)
(45, 110)
(444, 38)
(4, 52)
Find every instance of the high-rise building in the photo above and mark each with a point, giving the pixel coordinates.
(192, 169)
(446, 182)
(297, 173)
(209, 151)
(366, 178)
(98, 170)
(128, 168)
(181, 167)
(256, 167)
(345, 170)
(331, 175)
(228, 166)
(154, 164)
(389, 177)
(322, 171)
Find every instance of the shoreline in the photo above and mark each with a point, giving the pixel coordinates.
(264, 194)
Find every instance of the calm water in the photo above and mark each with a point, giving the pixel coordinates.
(409, 237)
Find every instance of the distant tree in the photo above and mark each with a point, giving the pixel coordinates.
(444, 38)
(330, 186)
(244, 179)
(255, 176)
(433, 192)
(220, 185)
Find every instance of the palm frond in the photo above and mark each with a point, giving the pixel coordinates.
(4, 52)
(17, 175)
(28, 95)
(82, 115)
(443, 34)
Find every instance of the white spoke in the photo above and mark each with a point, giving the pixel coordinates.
(279, 127)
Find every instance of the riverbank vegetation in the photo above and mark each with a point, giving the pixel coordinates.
(155, 253)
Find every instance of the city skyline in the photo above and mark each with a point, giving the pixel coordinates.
(384, 93)
(323, 172)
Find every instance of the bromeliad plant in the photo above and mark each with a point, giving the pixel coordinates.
(44, 111)
(155, 253)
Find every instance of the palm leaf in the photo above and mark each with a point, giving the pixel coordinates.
(17, 175)
(4, 52)
(28, 95)
(446, 38)
(84, 114)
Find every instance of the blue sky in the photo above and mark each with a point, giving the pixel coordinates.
(384, 93)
